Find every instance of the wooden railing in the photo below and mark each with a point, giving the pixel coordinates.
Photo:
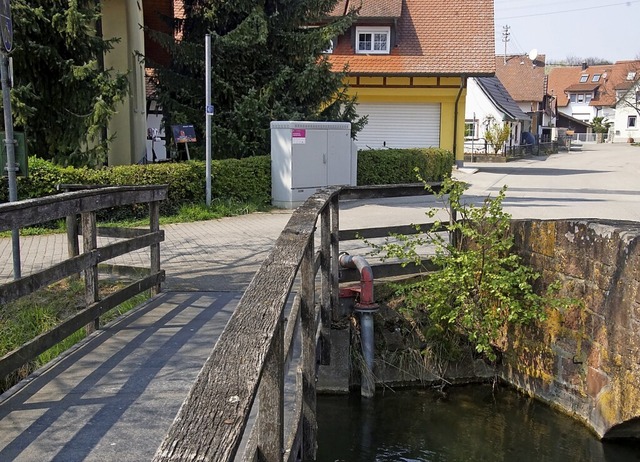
(69, 205)
(248, 360)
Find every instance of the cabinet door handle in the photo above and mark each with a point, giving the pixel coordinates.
(324, 158)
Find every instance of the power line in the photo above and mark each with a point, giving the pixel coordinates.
(628, 3)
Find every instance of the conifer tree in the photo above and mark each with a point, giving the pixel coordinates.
(61, 96)
(267, 64)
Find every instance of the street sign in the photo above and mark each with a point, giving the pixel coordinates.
(6, 25)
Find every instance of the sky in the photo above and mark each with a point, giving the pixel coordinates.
(607, 29)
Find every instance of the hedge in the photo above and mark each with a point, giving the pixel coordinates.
(397, 166)
(246, 179)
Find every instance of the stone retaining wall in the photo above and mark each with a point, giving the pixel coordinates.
(586, 358)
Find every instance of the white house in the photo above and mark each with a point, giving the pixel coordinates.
(488, 99)
(627, 117)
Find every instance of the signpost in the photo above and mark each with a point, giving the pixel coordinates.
(6, 28)
(208, 115)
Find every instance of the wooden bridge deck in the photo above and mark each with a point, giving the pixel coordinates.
(115, 396)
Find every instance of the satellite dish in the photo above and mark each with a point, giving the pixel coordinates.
(533, 54)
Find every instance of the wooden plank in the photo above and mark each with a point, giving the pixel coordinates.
(290, 330)
(73, 246)
(388, 270)
(271, 402)
(335, 253)
(381, 191)
(89, 243)
(325, 297)
(309, 327)
(372, 233)
(293, 447)
(16, 358)
(33, 211)
(211, 421)
(154, 248)
(29, 284)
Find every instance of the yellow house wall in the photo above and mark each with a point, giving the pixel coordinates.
(445, 96)
(121, 18)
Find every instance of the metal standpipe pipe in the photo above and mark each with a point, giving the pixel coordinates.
(366, 307)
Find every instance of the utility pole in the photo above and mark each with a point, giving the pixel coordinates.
(6, 30)
(505, 39)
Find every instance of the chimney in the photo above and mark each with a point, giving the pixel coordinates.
(584, 65)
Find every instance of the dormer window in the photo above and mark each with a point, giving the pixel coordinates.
(329, 48)
(373, 40)
(584, 78)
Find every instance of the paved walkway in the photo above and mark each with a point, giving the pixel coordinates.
(113, 398)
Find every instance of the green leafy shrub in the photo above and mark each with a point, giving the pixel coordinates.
(483, 287)
(397, 166)
(242, 180)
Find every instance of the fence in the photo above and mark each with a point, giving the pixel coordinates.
(590, 137)
(248, 360)
(69, 205)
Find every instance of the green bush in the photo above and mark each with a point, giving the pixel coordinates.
(246, 179)
(397, 166)
(242, 180)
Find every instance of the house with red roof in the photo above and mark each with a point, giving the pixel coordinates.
(584, 92)
(626, 124)
(524, 78)
(408, 62)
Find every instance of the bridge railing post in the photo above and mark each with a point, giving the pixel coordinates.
(308, 318)
(271, 400)
(90, 243)
(154, 249)
(327, 288)
(334, 206)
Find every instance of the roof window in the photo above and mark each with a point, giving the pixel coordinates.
(631, 75)
(596, 78)
(373, 40)
(584, 78)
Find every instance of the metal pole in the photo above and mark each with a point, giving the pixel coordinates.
(11, 160)
(208, 113)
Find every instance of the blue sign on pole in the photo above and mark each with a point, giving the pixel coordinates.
(210, 109)
(6, 26)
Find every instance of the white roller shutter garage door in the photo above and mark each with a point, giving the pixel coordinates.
(399, 126)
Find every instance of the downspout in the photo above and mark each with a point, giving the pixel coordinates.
(366, 307)
(463, 85)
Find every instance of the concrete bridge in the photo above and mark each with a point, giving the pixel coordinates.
(116, 396)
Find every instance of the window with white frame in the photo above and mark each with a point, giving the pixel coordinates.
(584, 78)
(596, 78)
(632, 121)
(471, 129)
(572, 97)
(375, 40)
(588, 97)
(580, 98)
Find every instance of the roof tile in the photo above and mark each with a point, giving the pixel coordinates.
(522, 77)
(562, 79)
(435, 37)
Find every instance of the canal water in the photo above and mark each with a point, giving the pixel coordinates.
(472, 424)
